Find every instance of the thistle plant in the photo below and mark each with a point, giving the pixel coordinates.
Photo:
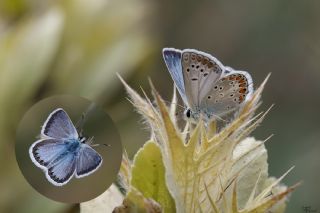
(195, 168)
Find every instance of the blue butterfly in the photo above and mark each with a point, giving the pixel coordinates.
(61, 153)
(208, 88)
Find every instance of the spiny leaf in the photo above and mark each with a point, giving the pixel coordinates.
(148, 176)
(135, 202)
(209, 171)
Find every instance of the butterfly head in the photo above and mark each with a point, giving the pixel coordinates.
(82, 139)
(191, 116)
(194, 116)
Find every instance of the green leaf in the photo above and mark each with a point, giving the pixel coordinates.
(148, 176)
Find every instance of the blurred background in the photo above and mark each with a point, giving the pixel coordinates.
(76, 47)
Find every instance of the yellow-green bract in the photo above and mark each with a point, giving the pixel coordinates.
(204, 170)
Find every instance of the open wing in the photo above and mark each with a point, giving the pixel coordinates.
(88, 161)
(52, 156)
(44, 151)
(59, 125)
(62, 170)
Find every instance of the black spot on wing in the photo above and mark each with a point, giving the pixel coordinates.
(63, 179)
(57, 179)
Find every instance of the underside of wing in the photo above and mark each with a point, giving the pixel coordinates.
(88, 161)
(200, 70)
(227, 94)
(172, 58)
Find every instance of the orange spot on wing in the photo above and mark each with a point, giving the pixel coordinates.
(205, 61)
(242, 90)
(210, 64)
(242, 81)
(241, 98)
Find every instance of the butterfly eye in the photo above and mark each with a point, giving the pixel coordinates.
(216, 87)
(209, 97)
(188, 113)
(82, 139)
(188, 70)
(201, 70)
(220, 88)
(192, 65)
(197, 66)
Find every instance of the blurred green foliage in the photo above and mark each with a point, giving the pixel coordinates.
(64, 47)
(75, 47)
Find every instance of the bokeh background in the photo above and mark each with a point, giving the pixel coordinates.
(77, 46)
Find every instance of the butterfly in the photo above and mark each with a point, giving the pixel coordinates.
(208, 88)
(61, 152)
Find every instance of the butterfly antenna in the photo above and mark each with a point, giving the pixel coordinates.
(220, 118)
(179, 105)
(80, 122)
(90, 141)
(84, 116)
(98, 144)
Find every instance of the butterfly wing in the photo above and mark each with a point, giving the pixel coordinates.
(199, 70)
(172, 58)
(228, 70)
(88, 161)
(62, 170)
(59, 125)
(247, 76)
(227, 93)
(43, 151)
(52, 156)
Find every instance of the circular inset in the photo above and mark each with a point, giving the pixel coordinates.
(68, 149)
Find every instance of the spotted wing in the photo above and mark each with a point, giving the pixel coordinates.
(227, 94)
(88, 161)
(200, 71)
(59, 125)
(172, 58)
